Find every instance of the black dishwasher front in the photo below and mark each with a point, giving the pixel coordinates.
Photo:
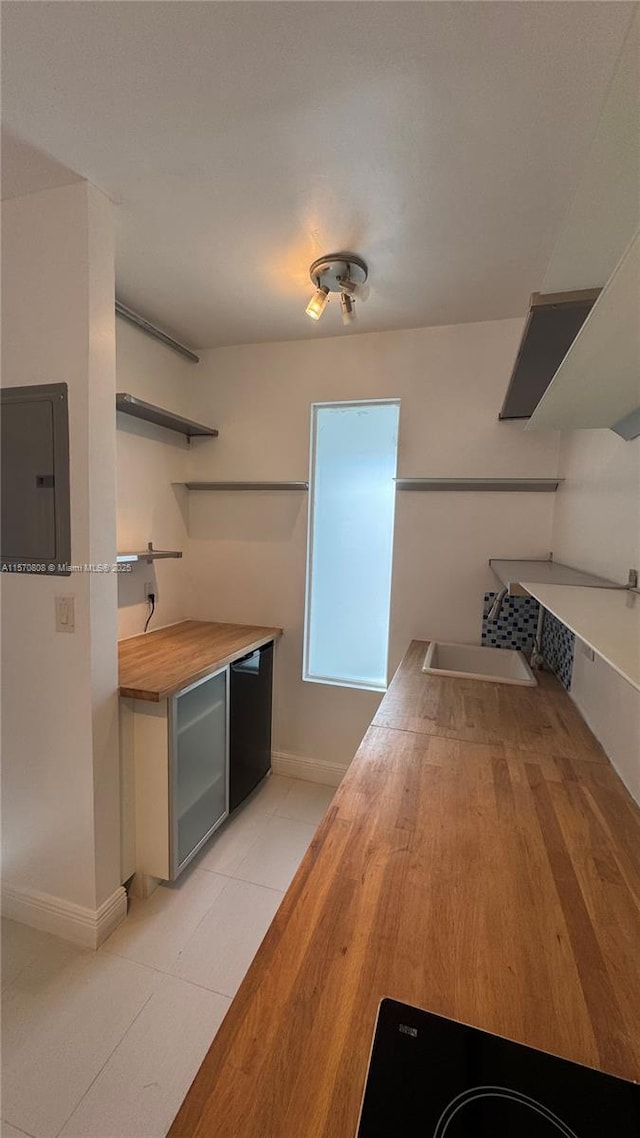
(250, 722)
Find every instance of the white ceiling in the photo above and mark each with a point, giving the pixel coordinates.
(441, 141)
(605, 211)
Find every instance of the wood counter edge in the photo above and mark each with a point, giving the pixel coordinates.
(158, 694)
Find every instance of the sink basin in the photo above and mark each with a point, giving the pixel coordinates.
(474, 662)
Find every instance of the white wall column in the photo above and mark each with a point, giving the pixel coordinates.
(60, 797)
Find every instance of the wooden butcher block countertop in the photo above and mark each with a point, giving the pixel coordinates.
(157, 664)
(481, 859)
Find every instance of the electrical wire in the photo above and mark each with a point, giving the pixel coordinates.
(151, 599)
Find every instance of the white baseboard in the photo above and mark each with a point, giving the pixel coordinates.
(88, 927)
(311, 770)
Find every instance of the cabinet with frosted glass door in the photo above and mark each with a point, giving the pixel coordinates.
(180, 750)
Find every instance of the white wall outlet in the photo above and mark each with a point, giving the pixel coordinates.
(65, 613)
(587, 651)
(149, 588)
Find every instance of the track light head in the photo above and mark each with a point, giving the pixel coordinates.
(318, 303)
(352, 288)
(347, 308)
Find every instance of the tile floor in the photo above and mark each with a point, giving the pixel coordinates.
(105, 1044)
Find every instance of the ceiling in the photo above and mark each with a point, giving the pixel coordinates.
(240, 141)
(605, 211)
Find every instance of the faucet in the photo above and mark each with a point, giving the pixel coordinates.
(494, 611)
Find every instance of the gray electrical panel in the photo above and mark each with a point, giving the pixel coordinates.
(34, 451)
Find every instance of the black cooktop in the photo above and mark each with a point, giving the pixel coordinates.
(431, 1077)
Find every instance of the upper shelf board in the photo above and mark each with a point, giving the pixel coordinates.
(511, 573)
(131, 405)
(607, 620)
(598, 382)
(552, 325)
(247, 485)
(147, 555)
(535, 485)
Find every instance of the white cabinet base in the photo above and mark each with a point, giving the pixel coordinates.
(142, 886)
(144, 782)
(151, 774)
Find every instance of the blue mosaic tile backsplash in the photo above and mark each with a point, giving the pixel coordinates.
(516, 628)
(516, 624)
(558, 647)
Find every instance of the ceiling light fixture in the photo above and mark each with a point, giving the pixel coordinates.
(342, 273)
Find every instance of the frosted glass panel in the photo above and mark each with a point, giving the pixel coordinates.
(201, 762)
(351, 542)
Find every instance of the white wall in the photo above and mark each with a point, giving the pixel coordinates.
(247, 551)
(59, 731)
(150, 463)
(611, 707)
(597, 527)
(597, 510)
(596, 523)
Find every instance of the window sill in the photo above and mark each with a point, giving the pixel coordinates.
(381, 688)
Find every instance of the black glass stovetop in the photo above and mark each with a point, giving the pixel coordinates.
(431, 1077)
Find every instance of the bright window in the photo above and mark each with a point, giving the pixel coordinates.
(353, 465)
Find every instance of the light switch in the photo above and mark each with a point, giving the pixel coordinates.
(65, 613)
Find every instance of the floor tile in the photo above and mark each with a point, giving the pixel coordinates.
(274, 858)
(60, 1025)
(105, 1044)
(306, 802)
(271, 792)
(22, 946)
(156, 929)
(232, 842)
(138, 1092)
(222, 948)
(226, 849)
